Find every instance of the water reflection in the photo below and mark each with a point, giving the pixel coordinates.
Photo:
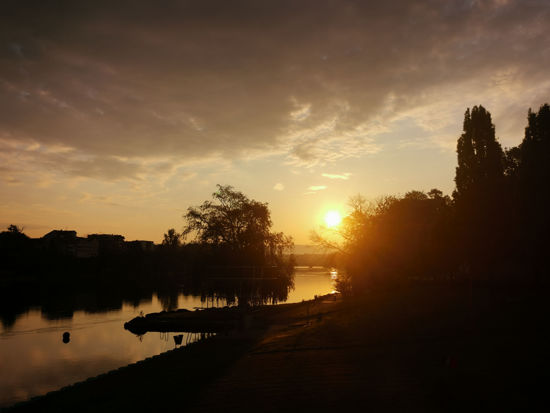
(189, 338)
(178, 339)
(60, 302)
(34, 358)
(56, 303)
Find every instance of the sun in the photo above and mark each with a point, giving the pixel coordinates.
(332, 219)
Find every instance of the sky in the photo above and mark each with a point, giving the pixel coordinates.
(115, 117)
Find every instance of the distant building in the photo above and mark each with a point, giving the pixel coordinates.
(86, 248)
(139, 245)
(60, 235)
(67, 243)
(108, 243)
(60, 242)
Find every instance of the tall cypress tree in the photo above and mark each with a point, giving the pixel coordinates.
(466, 168)
(534, 189)
(478, 195)
(534, 169)
(480, 156)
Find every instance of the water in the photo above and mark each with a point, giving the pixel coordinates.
(34, 360)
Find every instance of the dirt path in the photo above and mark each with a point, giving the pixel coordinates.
(314, 363)
(292, 367)
(425, 350)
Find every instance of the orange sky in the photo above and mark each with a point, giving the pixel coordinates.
(116, 118)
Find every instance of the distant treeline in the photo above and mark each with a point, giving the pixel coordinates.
(315, 260)
(25, 259)
(232, 256)
(494, 229)
(60, 283)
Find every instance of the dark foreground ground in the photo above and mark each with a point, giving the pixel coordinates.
(423, 348)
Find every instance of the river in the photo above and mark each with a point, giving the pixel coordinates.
(34, 359)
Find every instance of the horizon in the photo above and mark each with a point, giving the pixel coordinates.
(296, 247)
(117, 118)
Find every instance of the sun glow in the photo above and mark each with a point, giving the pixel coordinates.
(332, 219)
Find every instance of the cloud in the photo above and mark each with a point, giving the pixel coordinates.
(345, 176)
(10, 180)
(329, 140)
(301, 113)
(317, 187)
(135, 83)
(98, 199)
(279, 187)
(44, 166)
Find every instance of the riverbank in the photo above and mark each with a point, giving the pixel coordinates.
(174, 378)
(429, 348)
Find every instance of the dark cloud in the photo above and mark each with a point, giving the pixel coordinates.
(187, 80)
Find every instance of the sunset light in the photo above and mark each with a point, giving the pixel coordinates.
(332, 219)
(346, 197)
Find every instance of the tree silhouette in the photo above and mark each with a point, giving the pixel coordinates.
(15, 248)
(393, 239)
(14, 237)
(237, 225)
(171, 238)
(480, 156)
(534, 190)
(15, 229)
(479, 192)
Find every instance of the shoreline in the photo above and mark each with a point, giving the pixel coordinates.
(426, 348)
(237, 339)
